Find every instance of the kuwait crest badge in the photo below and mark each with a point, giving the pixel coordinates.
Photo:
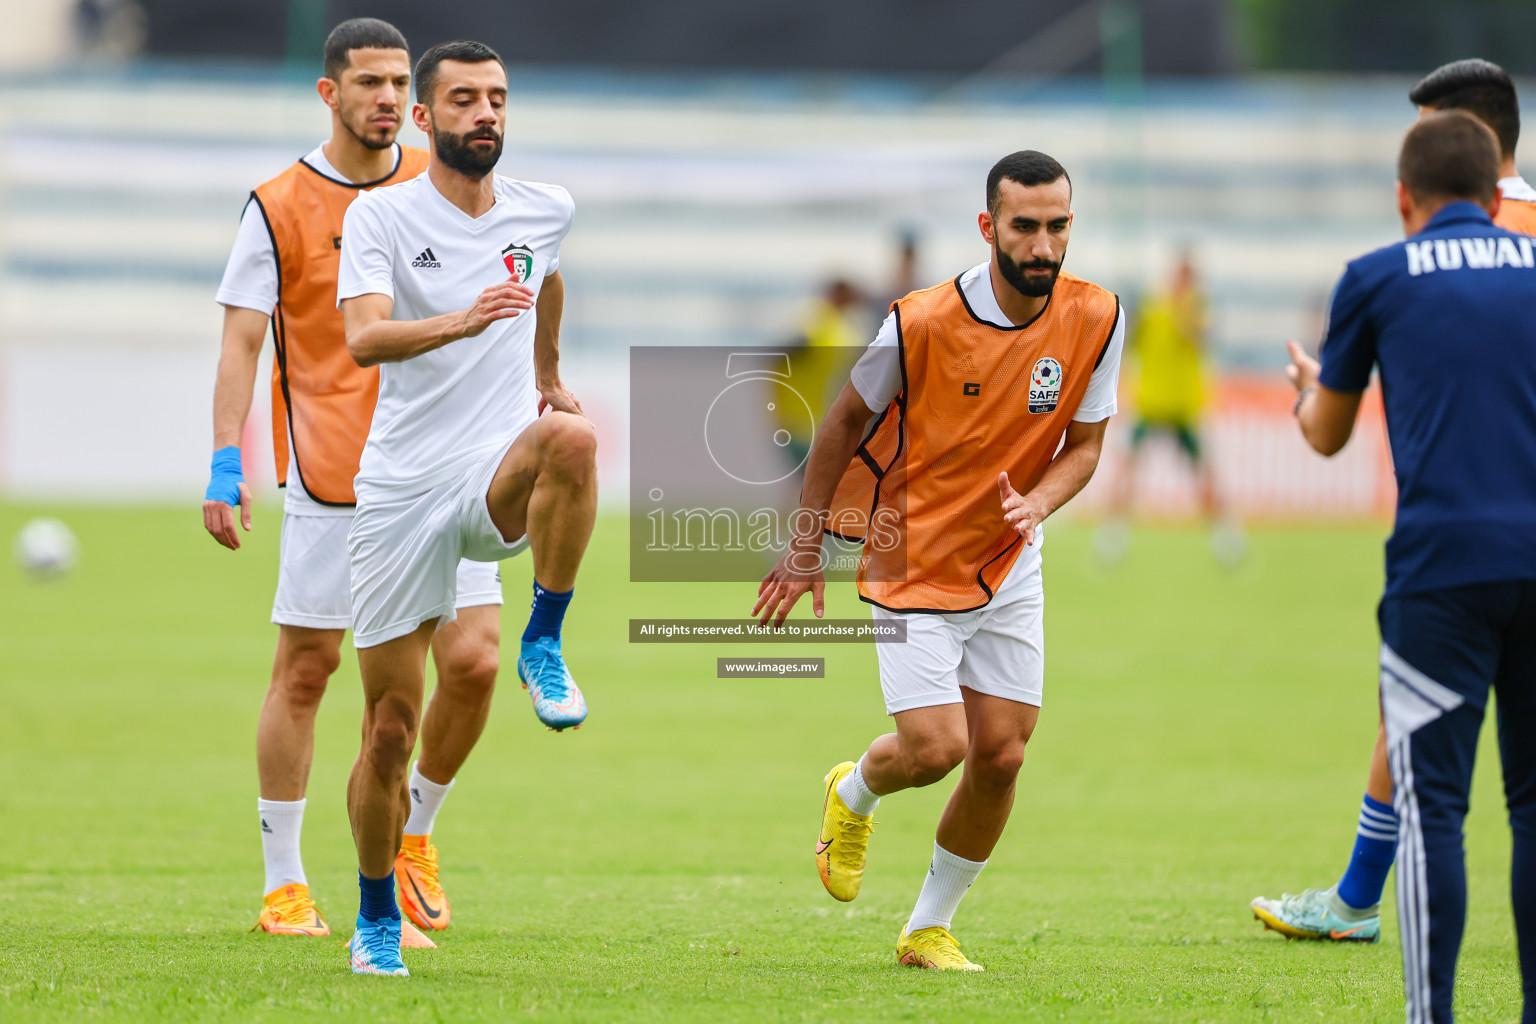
(519, 261)
(1045, 385)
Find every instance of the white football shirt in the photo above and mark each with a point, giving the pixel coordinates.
(443, 411)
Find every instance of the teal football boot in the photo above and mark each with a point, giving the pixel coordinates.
(1318, 914)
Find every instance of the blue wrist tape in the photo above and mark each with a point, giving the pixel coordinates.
(225, 483)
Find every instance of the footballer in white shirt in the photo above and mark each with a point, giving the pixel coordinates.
(450, 283)
(323, 403)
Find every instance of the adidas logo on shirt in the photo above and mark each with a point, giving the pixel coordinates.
(426, 260)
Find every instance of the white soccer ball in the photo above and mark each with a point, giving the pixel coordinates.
(46, 548)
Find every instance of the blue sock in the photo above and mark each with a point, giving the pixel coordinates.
(548, 612)
(1375, 846)
(378, 897)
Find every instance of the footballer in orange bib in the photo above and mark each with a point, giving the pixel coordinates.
(283, 270)
(992, 391)
(319, 394)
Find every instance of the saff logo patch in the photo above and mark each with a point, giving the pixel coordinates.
(1045, 385)
(519, 261)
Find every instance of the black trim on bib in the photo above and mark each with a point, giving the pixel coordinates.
(952, 611)
(359, 185)
(1114, 322)
(987, 323)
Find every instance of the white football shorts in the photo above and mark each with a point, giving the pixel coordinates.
(314, 586)
(406, 550)
(998, 650)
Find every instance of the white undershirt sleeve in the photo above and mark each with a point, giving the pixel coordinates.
(366, 265)
(877, 374)
(1101, 401)
(250, 276)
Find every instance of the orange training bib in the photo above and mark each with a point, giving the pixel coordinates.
(320, 396)
(977, 399)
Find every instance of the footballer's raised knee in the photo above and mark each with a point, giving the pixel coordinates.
(568, 445)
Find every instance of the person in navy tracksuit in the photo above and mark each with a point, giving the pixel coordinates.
(1449, 318)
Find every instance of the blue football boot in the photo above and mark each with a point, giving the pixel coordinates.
(557, 700)
(375, 948)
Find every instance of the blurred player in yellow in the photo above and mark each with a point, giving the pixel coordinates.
(830, 338)
(1168, 347)
(1484, 90)
(283, 271)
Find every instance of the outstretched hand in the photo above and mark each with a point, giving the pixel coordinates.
(1019, 511)
(799, 571)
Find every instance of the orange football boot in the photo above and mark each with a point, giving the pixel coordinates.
(420, 892)
(412, 937)
(290, 911)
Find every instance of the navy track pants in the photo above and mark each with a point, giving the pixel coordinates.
(1442, 653)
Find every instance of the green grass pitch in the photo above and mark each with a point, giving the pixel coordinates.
(1204, 741)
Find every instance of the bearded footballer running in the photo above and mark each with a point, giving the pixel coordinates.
(992, 391)
(450, 283)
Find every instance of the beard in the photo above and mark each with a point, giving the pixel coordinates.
(456, 152)
(1013, 273)
(369, 135)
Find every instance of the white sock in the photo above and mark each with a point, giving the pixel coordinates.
(858, 796)
(281, 823)
(426, 797)
(948, 879)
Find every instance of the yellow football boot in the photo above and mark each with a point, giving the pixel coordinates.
(843, 842)
(933, 948)
(290, 911)
(420, 892)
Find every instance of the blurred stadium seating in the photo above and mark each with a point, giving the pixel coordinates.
(709, 208)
